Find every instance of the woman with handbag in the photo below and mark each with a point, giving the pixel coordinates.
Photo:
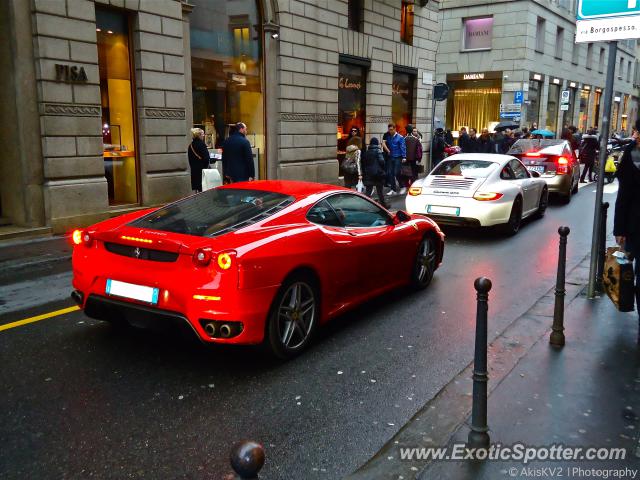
(626, 224)
(373, 171)
(198, 158)
(351, 167)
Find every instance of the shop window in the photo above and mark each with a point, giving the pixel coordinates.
(406, 23)
(615, 113)
(352, 100)
(355, 14)
(552, 107)
(595, 117)
(477, 33)
(474, 104)
(226, 73)
(567, 115)
(625, 114)
(584, 112)
(403, 89)
(118, 106)
(533, 108)
(541, 30)
(559, 43)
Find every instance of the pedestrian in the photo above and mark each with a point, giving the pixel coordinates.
(397, 156)
(237, 157)
(437, 147)
(588, 154)
(351, 166)
(485, 143)
(626, 223)
(463, 140)
(448, 137)
(474, 141)
(355, 138)
(373, 171)
(198, 158)
(414, 155)
(387, 157)
(498, 142)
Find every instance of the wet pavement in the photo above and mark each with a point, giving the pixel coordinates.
(85, 400)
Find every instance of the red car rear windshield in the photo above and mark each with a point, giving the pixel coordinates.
(215, 212)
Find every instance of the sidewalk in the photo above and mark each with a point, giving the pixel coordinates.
(586, 394)
(22, 259)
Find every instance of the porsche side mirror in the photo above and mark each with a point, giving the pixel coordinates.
(535, 174)
(402, 216)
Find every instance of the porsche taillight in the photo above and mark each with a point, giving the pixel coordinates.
(562, 166)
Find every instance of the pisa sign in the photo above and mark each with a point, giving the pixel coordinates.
(603, 20)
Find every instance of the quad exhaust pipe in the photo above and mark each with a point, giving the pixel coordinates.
(225, 331)
(210, 328)
(222, 331)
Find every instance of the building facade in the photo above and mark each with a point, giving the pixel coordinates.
(98, 96)
(517, 60)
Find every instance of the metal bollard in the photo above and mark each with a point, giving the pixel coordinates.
(247, 458)
(603, 248)
(479, 436)
(557, 334)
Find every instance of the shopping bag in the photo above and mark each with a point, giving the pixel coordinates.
(618, 279)
(210, 178)
(610, 166)
(360, 186)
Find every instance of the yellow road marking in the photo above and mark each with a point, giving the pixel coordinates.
(37, 318)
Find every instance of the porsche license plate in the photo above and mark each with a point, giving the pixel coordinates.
(439, 209)
(133, 291)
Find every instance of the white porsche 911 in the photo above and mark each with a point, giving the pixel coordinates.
(476, 189)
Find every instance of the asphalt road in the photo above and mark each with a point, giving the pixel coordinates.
(81, 399)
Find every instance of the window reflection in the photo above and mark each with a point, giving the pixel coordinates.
(226, 70)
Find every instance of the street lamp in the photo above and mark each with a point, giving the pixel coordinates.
(272, 28)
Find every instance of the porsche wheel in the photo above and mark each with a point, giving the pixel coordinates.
(293, 317)
(425, 263)
(515, 219)
(543, 204)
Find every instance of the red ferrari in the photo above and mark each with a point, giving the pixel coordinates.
(265, 261)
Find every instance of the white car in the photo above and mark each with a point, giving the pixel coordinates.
(476, 189)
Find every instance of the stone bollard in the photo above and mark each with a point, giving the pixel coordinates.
(557, 333)
(479, 436)
(247, 458)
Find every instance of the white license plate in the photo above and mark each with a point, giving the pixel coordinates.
(536, 168)
(133, 291)
(443, 210)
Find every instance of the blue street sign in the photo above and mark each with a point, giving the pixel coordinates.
(597, 9)
(518, 97)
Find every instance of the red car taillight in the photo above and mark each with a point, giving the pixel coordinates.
(202, 257)
(83, 237)
(563, 166)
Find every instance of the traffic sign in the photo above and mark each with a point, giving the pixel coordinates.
(518, 97)
(600, 20)
(564, 96)
(596, 9)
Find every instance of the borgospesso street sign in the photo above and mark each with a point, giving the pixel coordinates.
(601, 20)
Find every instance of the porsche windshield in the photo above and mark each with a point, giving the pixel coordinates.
(465, 168)
(215, 212)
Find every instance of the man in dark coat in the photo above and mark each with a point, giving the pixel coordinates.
(588, 154)
(438, 147)
(626, 224)
(463, 140)
(237, 158)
